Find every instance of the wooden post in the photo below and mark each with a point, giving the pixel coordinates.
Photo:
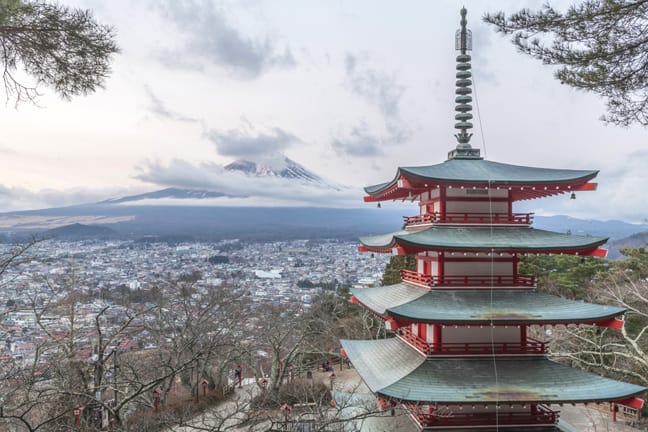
(77, 416)
(156, 399)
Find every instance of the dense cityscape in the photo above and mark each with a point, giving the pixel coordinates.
(291, 272)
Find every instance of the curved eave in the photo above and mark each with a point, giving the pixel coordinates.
(378, 299)
(394, 370)
(500, 307)
(524, 182)
(483, 239)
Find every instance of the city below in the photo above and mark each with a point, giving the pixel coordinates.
(121, 275)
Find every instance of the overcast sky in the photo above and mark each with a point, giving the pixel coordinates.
(349, 89)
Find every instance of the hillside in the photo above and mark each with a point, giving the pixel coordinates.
(79, 231)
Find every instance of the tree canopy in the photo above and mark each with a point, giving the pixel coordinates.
(396, 264)
(56, 46)
(599, 46)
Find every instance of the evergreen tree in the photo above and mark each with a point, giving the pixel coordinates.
(396, 264)
(63, 48)
(599, 46)
(565, 275)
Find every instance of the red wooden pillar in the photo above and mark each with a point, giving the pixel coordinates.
(442, 204)
(422, 331)
(440, 266)
(523, 335)
(437, 337)
(516, 262)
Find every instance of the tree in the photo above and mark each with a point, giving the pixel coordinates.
(396, 264)
(565, 275)
(621, 354)
(599, 46)
(59, 47)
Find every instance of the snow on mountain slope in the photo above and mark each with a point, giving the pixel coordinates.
(280, 166)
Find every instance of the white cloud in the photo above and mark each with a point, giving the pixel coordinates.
(250, 142)
(209, 38)
(182, 174)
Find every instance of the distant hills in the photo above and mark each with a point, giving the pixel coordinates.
(634, 241)
(614, 229)
(208, 222)
(109, 219)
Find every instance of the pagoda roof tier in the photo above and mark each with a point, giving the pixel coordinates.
(379, 299)
(393, 369)
(486, 239)
(524, 182)
(484, 306)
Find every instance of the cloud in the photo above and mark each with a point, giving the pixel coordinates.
(620, 194)
(182, 174)
(377, 88)
(381, 91)
(359, 142)
(246, 142)
(159, 109)
(19, 198)
(210, 39)
(7, 150)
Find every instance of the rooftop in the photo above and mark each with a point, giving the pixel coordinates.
(393, 369)
(525, 182)
(489, 239)
(479, 306)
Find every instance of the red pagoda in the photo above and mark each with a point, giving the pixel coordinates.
(462, 358)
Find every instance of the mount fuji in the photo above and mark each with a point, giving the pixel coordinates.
(281, 167)
(273, 181)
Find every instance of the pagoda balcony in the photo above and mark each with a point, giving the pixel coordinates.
(478, 281)
(443, 417)
(469, 218)
(529, 347)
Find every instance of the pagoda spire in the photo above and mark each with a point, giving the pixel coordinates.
(463, 44)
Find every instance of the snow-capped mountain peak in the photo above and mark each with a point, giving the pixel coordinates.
(281, 166)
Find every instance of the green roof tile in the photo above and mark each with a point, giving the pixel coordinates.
(522, 239)
(484, 171)
(383, 363)
(393, 369)
(380, 298)
(498, 306)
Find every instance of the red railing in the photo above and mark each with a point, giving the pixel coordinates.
(472, 280)
(445, 417)
(470, 218)
(530, 346)
(415, 341)
(416, 277)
